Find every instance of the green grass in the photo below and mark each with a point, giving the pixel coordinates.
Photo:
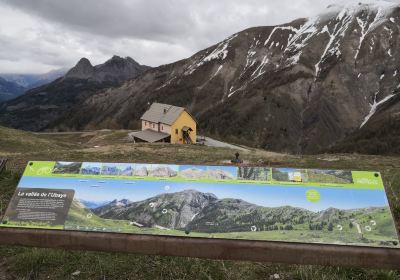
(79, 216)
(12, 140)
(36, 263)
(59, 264)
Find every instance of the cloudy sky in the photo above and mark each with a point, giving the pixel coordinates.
(40, 35)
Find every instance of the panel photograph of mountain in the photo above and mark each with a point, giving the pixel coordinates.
(156, 170)
(117, 169)
(91, 168)
(193, 171)
(63, 167)
(222, 172)
(233, 211)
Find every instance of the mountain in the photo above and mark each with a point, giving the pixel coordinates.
(194, 211)
(235, 215)
(9, 90)
(119, 203)
(307, 86)
(169, 210)
(117, 69)
(300, 87)
(46, 106)
(204, 212)
(29, 81)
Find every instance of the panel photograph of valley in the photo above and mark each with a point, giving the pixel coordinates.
(307, 214)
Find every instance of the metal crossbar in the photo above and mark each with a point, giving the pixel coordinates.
(260, 251)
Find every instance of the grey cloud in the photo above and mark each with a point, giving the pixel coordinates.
(138, 18)
(167, 21)
(152, 32)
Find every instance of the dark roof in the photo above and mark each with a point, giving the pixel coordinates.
(163, 113)
(149, 135)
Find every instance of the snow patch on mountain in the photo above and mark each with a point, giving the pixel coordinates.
(220, 52)
(216, 73)
(374, 107)
(279, 28)
(344, 18)
(259, 70)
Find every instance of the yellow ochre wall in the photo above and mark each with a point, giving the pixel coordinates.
(184, 119)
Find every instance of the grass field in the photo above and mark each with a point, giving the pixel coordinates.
(34, 263)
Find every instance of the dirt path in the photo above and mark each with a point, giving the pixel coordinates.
(215, 143)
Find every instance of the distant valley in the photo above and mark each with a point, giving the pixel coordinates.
(50, 105)
(9, 90)
(14, 85)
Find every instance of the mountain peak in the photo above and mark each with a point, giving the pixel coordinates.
(115, 58)
(82, 70)
(84, 61)
(115, 69)
(120, 62)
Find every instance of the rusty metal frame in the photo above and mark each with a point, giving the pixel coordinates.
(225, 249)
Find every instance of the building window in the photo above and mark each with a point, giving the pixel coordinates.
(145, 123)
(154, 125)
(176, 131)
(162, 127)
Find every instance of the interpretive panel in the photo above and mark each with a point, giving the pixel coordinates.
(229, 202)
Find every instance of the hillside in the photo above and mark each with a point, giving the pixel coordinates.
(381, 135)
(183, 207)
(12, 140)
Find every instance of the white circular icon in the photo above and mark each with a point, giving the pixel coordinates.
(368, 228)
(253, 228)
(373, 223)
(339, 227)
(89, 215)
(164, 211)
(152, 204)
(167, 187)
